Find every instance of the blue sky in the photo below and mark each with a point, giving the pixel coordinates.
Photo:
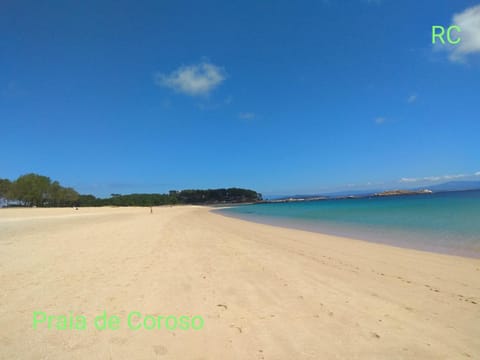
(279, 96)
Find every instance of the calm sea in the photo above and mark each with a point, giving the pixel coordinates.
(443, 222)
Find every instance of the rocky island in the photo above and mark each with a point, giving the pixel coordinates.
(403, 192)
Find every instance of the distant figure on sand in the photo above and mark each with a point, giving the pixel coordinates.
(151, 210)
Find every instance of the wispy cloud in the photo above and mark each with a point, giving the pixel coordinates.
(432, 178)
(469, 23)
(477, 173)
(207, 106)
(247, 116)
(412, 98)
(12, 90)
(437, 178)
(194, 80)
(407, 180)
(380, 120)
(448, 177)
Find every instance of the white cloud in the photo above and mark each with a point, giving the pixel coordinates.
(247, 116)
(448, 177)
(437, 178)
(412, 98)
(477, 173)
(193, 80)
(380, 120)
(408, 180)
(469, 23)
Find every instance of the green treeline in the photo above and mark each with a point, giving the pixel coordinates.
(215, 196)
(38, 190)
(127, 200)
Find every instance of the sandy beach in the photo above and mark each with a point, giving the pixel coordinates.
(264, 292)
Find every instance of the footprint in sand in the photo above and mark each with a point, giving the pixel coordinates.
(237, 327)
(160, 350)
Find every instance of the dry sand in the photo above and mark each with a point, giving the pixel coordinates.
(264, 292)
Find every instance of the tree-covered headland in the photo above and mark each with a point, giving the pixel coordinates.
(40, 191)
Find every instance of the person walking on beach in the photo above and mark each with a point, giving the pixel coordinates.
(151, 210)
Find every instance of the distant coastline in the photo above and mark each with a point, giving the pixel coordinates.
(458, 186)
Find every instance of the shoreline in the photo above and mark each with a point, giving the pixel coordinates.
(263, 290)
(339, 231)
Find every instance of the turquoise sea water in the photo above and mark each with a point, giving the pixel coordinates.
(443, 222)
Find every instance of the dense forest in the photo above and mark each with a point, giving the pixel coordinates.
(37, 190)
